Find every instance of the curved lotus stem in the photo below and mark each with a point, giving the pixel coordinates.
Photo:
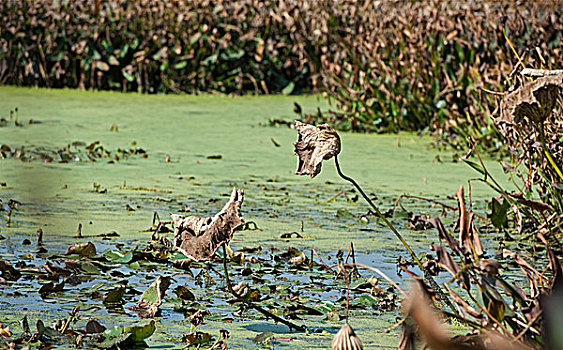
(428, 277)
(378, 212)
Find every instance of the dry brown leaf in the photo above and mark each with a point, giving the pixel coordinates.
(314, 143)
(536, 205)
(199, 238)
(468, 234)
(534, 100)
(447, 262)
(444, 235)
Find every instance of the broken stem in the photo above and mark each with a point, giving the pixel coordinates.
(70, 319)
(251, 304)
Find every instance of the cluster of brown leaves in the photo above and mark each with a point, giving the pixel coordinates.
(504, 316)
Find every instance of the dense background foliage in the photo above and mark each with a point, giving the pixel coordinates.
(387, 66)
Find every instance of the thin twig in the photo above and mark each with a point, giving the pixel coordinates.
(423, 199)
(321, 260)
(258, 308)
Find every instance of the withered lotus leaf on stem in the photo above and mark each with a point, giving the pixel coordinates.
(314, 143)
(198, 238)
(534, 100)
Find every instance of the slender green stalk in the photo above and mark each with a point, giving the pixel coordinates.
(548, 153)
(427, 276)
(378, 213)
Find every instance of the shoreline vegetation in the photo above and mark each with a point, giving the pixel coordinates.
(432, 67)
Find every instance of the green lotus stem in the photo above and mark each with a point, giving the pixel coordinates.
(378, 212)
(428, 277)
(548, 154)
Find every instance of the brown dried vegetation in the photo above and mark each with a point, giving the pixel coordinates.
(199, 238)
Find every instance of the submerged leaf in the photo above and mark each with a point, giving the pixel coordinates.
(314, 143)
(199, 238)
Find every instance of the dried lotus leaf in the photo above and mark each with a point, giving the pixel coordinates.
(199, 238)
(314, 144)
(533, 101)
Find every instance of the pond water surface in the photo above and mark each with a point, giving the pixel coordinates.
(198, 148)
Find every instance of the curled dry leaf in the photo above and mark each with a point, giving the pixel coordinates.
(83, 249)
(314, 143)
(147, 306)
(346, 339)
(199, 238)
(534, 100)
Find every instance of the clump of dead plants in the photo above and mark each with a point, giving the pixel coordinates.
(497, 311)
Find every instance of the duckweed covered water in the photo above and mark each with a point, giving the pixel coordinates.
(198, 148)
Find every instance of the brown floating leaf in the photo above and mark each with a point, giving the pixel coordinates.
(94, 327)
(534, 100)
(314, 143)
(83, 249)
(199, 238)
(346, 339)
(8, 271)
